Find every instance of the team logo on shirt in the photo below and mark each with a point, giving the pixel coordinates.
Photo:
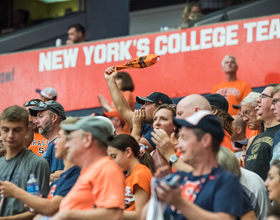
(191, 189)
(129, 197)
(51, 193)
(228, 91)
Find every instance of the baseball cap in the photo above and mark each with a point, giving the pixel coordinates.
(51, 105)
(236, 106)
(205, 121)
(100, 129)
(155, 97)
(239, 144)
(114, 114)
(48, 92)
(219, 101)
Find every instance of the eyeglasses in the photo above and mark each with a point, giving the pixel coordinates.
(31, 103)
(274, 101)
(263, 95)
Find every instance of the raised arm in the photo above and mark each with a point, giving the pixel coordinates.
(119, 100)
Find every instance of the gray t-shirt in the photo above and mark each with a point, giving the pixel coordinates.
(23, 164)
(254, 187)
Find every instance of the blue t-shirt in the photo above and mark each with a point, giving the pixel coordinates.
(146, 130)
(219, 191)
(64, 184)
(49, 155)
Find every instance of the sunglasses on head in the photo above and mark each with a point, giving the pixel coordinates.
(31, 103)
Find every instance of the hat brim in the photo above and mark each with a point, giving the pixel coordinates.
(69, 127)
(114, 114)
(142, 100)
(236, 106)
(38, 91)
(239, 144)
(34, 111)
(182, 123)
(231, 118)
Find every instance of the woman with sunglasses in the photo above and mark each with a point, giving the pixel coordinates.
(127, 153)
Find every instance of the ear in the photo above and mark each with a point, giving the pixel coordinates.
(206, 140)
(197, 109)
(215, 111)
(238, 129)
(88, 139)
(128, 152)
(54, 118)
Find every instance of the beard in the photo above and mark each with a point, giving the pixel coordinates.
(45, 131)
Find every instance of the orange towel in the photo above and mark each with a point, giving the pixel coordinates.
(140, 62)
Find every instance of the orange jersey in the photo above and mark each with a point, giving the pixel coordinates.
(234, 92)
(254, 133)
(227, 141)
(140, 177)
(39, 144)
(100, 185)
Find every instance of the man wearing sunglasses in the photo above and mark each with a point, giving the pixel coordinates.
(38, 142)
(49, 116)
(275, 107)
(258, 154)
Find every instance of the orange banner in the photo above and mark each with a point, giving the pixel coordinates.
(190, 62)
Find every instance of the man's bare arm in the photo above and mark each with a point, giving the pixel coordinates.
(119, 100)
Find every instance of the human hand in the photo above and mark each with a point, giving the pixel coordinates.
(7, 189)
(69, 42)
(138, 117)
(103, 102)
(168, 195)
(241, 162)
(110, 73)
(163, 143)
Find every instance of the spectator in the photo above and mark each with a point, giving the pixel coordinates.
(233, 89)
(191, 12)
(165, 145)
(76, 34)
(19, 162)
(219, 106)
(149, 104)
(99, 191)
(242, 145)
(272, 182)
(238, 129)
(59, 188)
(274, 212)
(205, 191)
(49, 116)
(39, 142)
(126, 152)
(117, 121)
(258, 154)
(250, 182)
(47, 94)
(275, 107)
(249, 113)
(2, 147)
(126, 85)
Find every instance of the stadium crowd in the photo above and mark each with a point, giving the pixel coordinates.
(208, 157)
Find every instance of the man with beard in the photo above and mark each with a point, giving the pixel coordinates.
(258, 154)
(38, 142)
(49, 115)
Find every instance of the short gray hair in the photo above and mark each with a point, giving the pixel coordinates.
(251, 98)
(229, 56)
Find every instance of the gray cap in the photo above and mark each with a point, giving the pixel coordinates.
(51, 105)
(100, 129)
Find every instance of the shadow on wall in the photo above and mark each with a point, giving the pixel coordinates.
(272, 78)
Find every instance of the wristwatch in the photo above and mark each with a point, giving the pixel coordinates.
(173, 159)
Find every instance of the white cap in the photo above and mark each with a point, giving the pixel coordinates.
(49, 92)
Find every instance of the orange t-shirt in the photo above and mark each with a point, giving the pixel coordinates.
(227, 141)
(254, 133)
(101, 185)
(141, 176)
(234, 92)
(39, 144)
